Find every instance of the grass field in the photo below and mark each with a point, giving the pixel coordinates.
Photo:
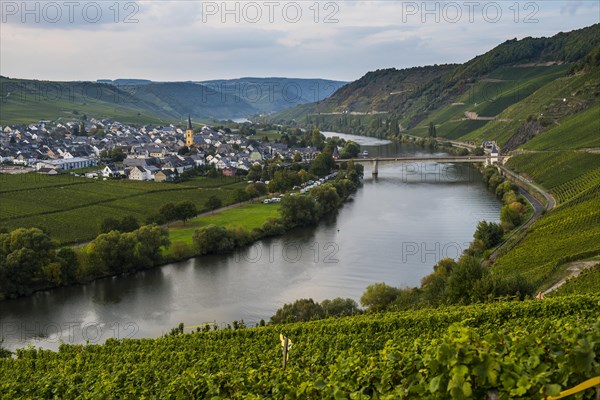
(71, 209)
(248, 216)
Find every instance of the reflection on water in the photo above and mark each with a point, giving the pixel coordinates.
(394, 230)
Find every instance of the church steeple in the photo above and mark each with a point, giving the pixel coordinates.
(189, 133)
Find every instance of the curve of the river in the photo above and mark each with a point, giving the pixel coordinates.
(394, 229)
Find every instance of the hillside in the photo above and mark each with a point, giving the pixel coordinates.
(520, 350)
(26, 101)
(142, 101)
(183, 98)
(268, 95)
(509, 94)
(378, 92)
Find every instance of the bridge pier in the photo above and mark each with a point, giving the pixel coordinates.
(375, 168)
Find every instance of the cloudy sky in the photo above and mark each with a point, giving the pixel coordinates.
(201, 40)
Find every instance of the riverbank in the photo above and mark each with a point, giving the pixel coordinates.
(116, 253)
(387, 231)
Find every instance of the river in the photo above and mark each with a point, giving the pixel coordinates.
(393, 230)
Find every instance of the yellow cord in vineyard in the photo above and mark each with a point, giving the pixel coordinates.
(582, 386)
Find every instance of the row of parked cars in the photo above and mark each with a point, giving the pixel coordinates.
(311, 184)
(305, 187)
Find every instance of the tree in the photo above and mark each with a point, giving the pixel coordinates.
(150, 240)
(340, 307)
(213, 202)
(350, 150)
(109, 224)
(322, 164)
(261, 188)
(112, 253)
(241, 195)
(378, 296)
(186, 210)
(117, 154)
(505, 187)
(316, 139)
(463, 280)
(297, 157)
(254, 172)
(251, 191)
(168, 212)
(489, 233)
(299, 211)
(183, 150)
(212, 239)
(129, 224)
(283, 181)
(432, 131)
(300, 311)
(327, 198)
(511, 215)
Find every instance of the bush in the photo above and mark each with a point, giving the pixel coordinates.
(299, 211)
(489, 233)
(379, 296)
(300, 311)
(340, 307)
(272, 227)
(463, 279)
(213, 239)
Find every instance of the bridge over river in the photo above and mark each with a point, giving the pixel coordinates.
(374, 162)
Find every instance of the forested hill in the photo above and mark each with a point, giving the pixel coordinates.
(143, 101)
(454, 97)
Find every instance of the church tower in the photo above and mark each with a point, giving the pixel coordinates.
(189, 133)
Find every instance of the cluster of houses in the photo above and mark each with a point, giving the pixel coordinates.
(151, 152)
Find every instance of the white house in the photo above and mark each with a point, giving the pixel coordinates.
(139, 173)
(68, 164)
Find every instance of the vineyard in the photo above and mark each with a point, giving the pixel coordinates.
(59, 204)
(587, 282)
(566, 174)
(520, 350)
(553, 104)
(578, 131)
(567, 233)
(573, 188)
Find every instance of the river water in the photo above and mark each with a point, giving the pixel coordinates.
(393, 230)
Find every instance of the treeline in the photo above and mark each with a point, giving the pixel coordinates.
(31, 261)
(515, 206)
(468, 280)
(296, 211)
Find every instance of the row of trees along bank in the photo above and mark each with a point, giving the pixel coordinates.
(465, 281)
(31, 261)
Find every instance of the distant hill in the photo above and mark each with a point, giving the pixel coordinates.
(183, 98)
(134, 100)
(269, 95)
(512, 93)
(125, 81)
(27, 101)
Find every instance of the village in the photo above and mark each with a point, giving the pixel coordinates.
(110, 149)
